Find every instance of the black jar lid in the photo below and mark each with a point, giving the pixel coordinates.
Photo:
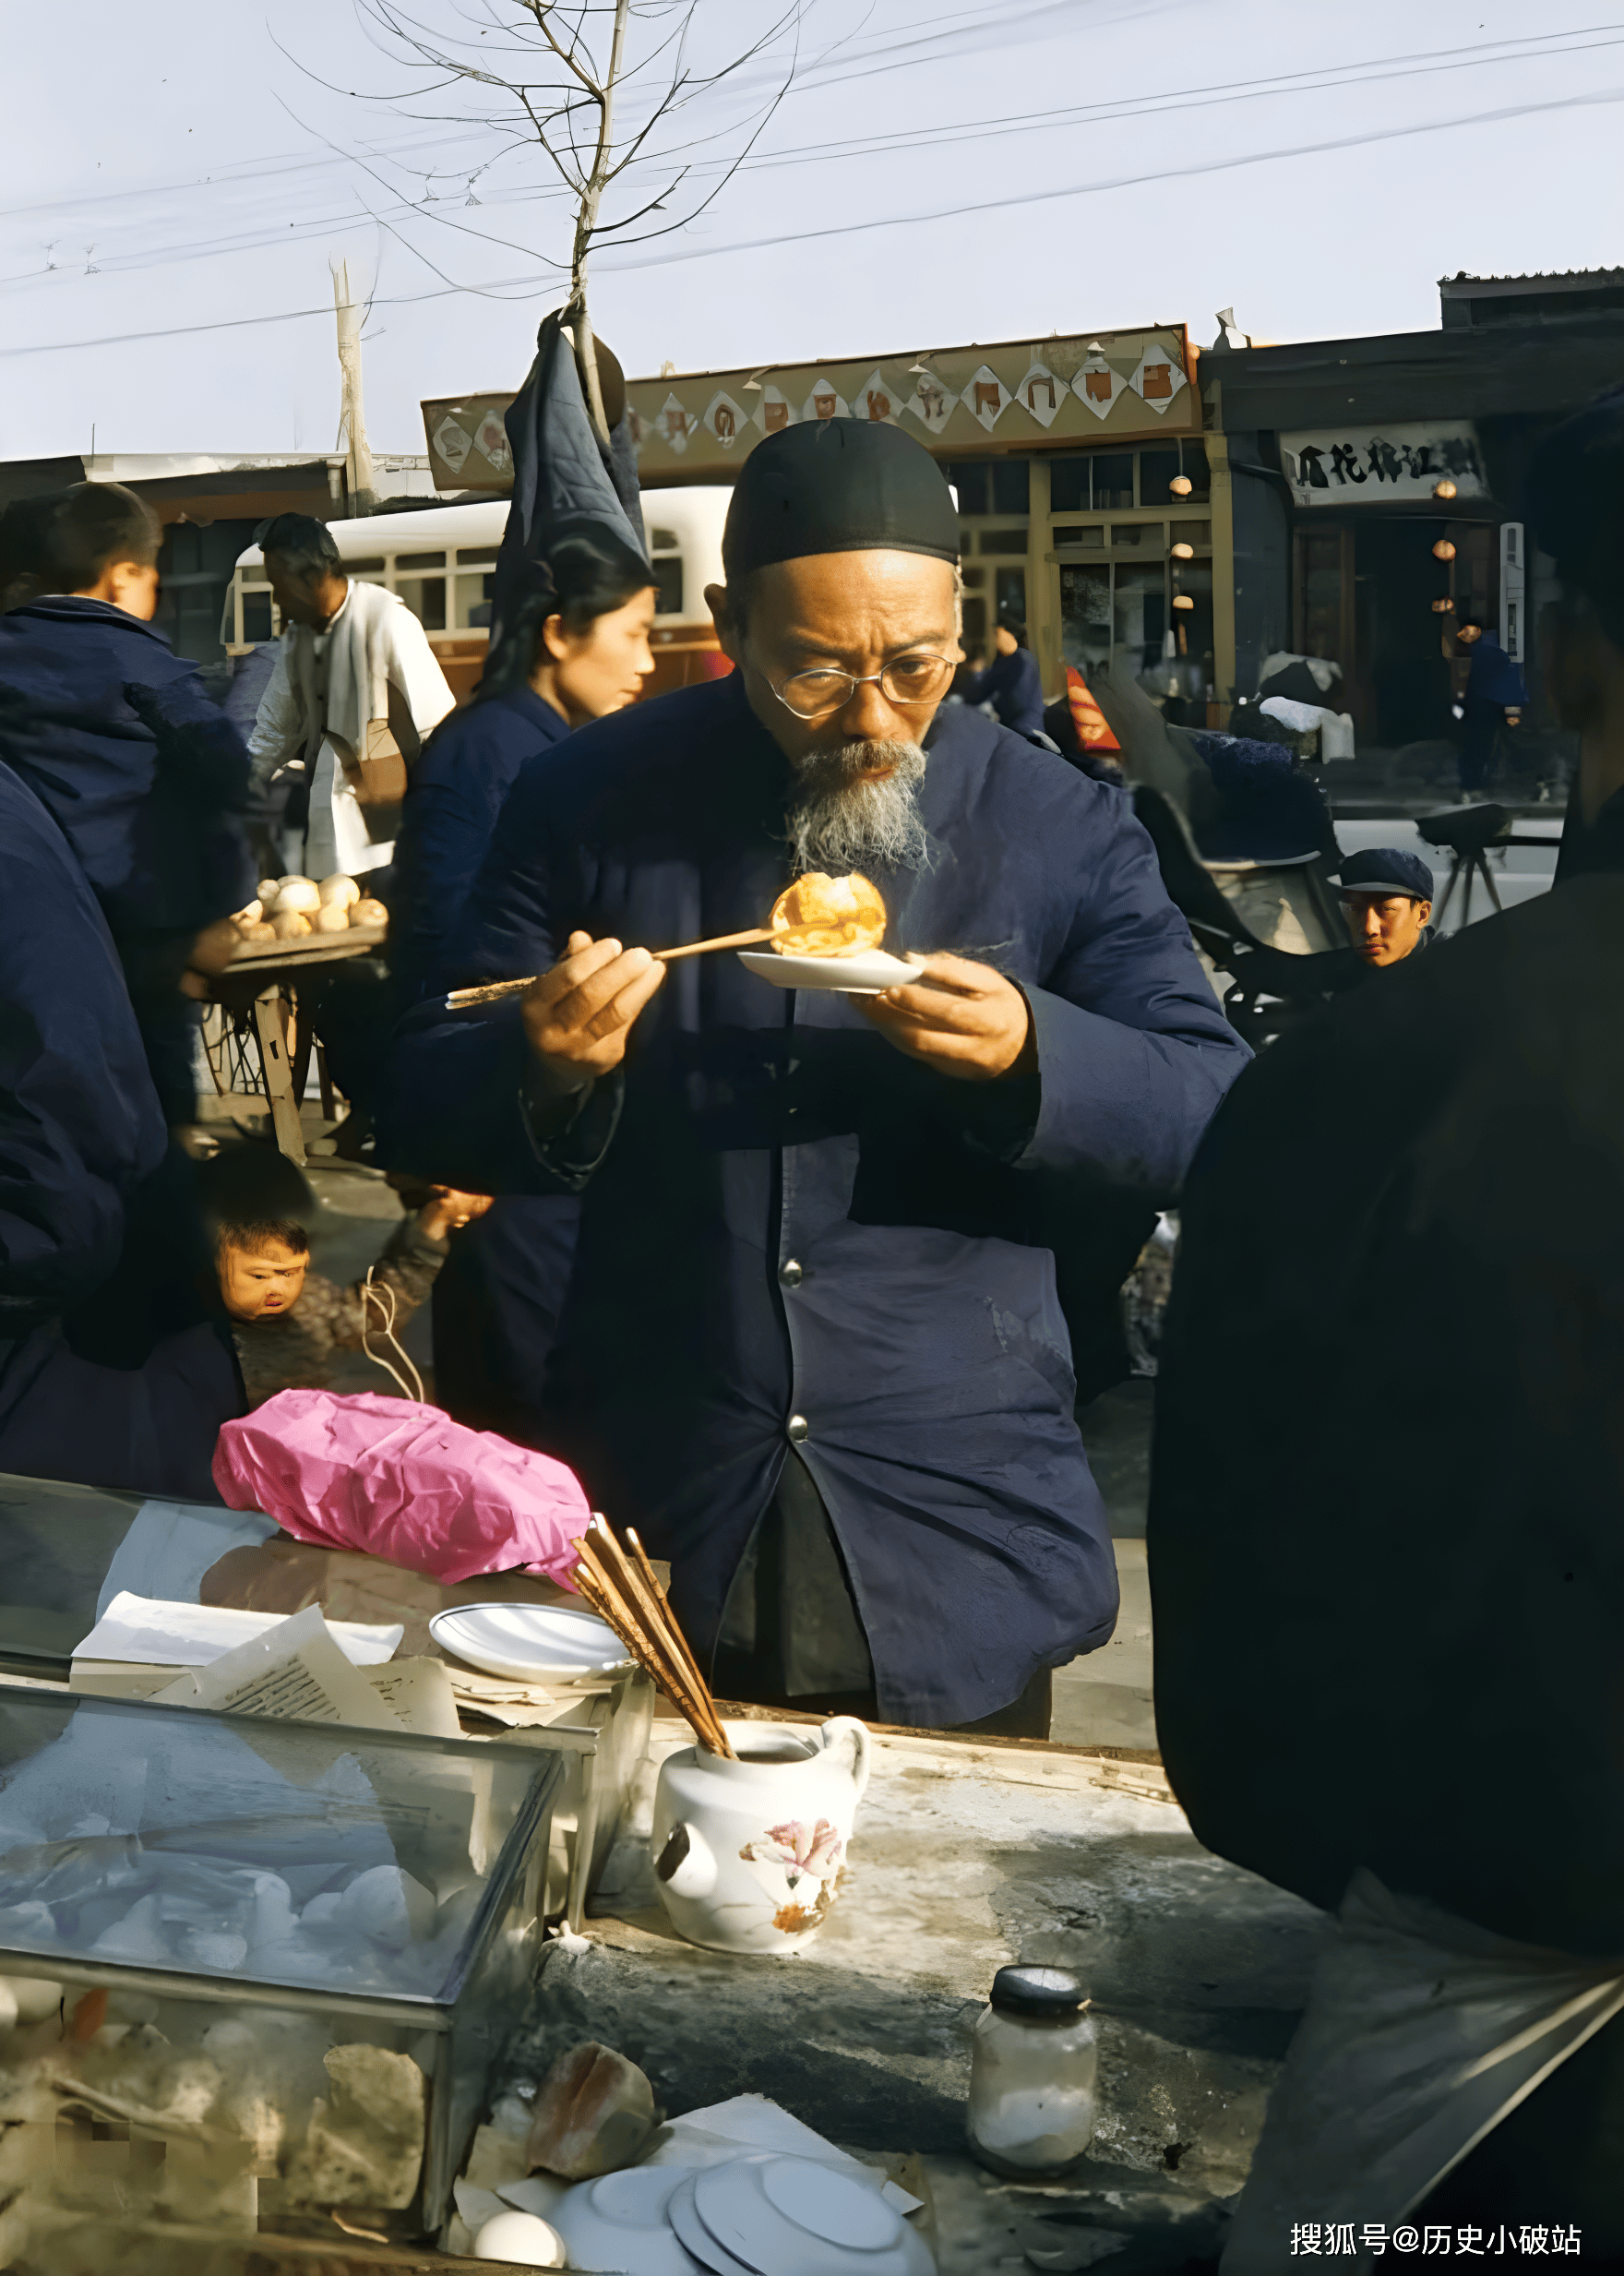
(1037, 1992)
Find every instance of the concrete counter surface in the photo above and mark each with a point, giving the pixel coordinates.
(967, 1855)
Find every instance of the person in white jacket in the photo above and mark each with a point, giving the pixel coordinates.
(355, 683)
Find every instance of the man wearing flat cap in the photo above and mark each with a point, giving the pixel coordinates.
(1386, 903)
(811, 1345)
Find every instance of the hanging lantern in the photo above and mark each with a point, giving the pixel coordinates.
(1443, 550)
(1181, 485)
(1182, 600)
(1184, 553)
(1443, 608)
(1445, 489)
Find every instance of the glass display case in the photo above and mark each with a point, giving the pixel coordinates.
(306, 1944)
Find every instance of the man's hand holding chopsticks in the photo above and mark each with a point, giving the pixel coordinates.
(962, 1018)
(579, 1015)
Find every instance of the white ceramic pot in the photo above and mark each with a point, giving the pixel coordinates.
(747, 1854)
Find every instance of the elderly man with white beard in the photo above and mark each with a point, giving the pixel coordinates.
(811, 1346)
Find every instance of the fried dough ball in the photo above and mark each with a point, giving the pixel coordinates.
(823, 915)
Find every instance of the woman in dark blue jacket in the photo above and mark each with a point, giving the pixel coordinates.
(576, 648)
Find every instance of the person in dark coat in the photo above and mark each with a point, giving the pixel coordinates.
(811, 1348)
(112, 1370)
(577, 602)
(1385, 1557)
(145, 774)
(1010, 682)
(1493, 700)
(1575, 495)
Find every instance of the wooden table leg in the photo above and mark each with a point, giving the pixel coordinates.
(328, 1110)
(301, 1037)
(279, 1082)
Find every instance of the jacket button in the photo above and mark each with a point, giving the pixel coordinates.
(796, 1429)
(790, 1275)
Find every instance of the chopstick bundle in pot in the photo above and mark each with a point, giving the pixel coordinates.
(629, 1596)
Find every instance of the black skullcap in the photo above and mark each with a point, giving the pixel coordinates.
(1576, 504)
(838, 485)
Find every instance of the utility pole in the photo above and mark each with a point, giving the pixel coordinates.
(352, 420)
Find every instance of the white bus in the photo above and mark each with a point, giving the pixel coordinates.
(441, 562)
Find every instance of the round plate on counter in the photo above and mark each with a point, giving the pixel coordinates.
(531, 1643)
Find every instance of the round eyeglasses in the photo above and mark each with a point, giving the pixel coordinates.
(905, 680)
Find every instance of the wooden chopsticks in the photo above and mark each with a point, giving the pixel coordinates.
(461, 997)
(625, 1591)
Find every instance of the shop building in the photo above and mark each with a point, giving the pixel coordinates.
(1080, 466)
(1373, 490)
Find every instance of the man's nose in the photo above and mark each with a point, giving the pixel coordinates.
(867, 717)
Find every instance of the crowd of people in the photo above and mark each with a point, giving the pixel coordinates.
(784, 1275)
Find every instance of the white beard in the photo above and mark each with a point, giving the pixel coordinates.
(841, 821)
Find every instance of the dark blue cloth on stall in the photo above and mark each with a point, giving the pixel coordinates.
(922, 1339)
(1269, 808)
(111, 1370)
(1014, 688)
(464, 773)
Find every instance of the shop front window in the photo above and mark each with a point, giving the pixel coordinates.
(1138, 612)
(1085, 617)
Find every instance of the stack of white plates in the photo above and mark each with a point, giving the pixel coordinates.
(753, 2216)
(550, 1644)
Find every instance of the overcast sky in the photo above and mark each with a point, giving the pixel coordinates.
(934, 174)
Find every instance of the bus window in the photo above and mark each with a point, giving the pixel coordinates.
(668, 584)
(475, 587)
(424, 596)
(256, 624)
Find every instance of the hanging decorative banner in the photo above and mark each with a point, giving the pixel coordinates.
(1098, 386)
(725, 419)
(453, 443)
(774, 411)
(490, 439)
(825, 402)
(1094, 729)
(877, 400)
(931, 402)
(675, 423)
(986, 397)
(1041, 393)
(1157, 380)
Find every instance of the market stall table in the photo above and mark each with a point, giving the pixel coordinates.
(259, 992)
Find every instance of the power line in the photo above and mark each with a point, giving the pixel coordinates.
(899, 220)
(1324, 78)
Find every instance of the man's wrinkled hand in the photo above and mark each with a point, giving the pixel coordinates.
(577, 1016)
(963, 1019)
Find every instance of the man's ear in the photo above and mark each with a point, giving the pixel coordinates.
(1425, 912)
(727, 631)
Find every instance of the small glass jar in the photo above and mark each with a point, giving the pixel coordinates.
(1032, 2074)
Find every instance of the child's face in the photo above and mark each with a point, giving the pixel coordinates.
(264, 1285)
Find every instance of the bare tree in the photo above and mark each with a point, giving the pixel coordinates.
(602, 91)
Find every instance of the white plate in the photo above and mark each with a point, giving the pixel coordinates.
(864, 974)
(530, 1642)
(620, 2222)
(692, 2232)
(798, 2218)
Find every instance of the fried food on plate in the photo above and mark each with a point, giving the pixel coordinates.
(823, 915)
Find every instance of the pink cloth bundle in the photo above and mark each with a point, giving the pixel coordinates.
(405, 1482)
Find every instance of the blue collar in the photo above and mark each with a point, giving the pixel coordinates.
(536, 713)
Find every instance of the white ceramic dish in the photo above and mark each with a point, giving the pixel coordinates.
(620, 2222)
(864, 974)
(796, 2217)
(529, 1643)
(683, 2215)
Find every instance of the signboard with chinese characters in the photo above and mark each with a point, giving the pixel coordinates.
(1363, 465)
(696, 427)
